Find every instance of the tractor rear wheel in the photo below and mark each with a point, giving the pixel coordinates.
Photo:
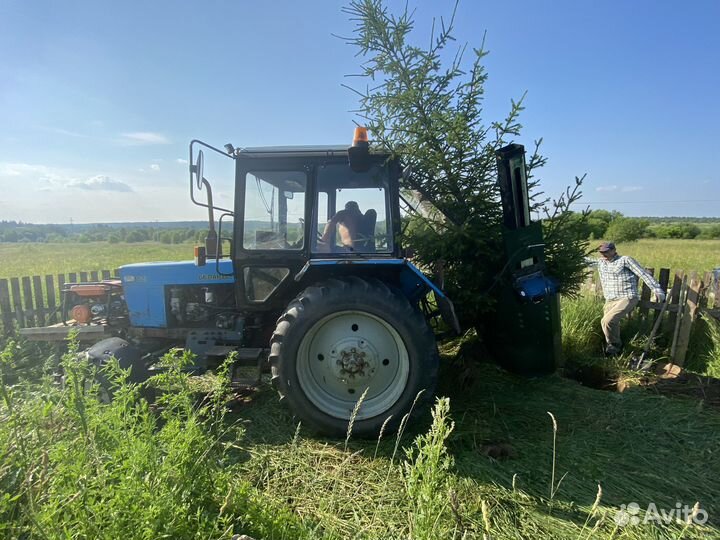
(347, 337)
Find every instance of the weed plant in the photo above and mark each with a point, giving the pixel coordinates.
(74, 467)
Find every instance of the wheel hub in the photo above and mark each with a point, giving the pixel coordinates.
(353, 359)
(349, 353)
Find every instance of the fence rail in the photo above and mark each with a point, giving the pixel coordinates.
(691, 295)
(36, 300)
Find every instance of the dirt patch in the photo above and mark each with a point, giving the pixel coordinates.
(594, 376)
(672, 381)
(667, 379)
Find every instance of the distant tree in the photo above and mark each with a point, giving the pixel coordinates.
(10, 235)
(711, 232)
(625, 229)
(136, 235)
(685, 231)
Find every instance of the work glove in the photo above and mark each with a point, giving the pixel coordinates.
(660, 295)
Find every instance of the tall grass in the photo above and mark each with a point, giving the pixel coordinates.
(581, 333)
(73, 467)
(704, 350)
(583, 339)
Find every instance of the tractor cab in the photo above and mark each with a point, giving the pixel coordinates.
(295, 208)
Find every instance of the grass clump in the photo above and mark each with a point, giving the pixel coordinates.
(581, 333)
(427, 477)
(704, 352)
(74, 467)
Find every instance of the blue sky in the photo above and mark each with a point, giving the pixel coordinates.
(99, 100)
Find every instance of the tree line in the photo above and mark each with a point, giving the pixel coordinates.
(598, 224)
(619, 228)
(13, 232)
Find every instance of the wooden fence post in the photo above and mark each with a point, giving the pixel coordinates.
(674, 292)
(51, 299)
(28, 301)
(645, 295)
(39, 300)
(6, 307)
(705, 290)
(688, 317)
(17, 302)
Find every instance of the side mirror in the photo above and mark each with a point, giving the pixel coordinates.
(288, 194)
(199, 163)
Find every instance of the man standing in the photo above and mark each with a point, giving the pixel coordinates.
(619, 279)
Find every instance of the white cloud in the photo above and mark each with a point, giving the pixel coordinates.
(155, 167)
(627, 189)
(606, 188)
(100, 183)
(144, 137)
(182, 161)
(30, 172)
(21, 169)
(66, 132)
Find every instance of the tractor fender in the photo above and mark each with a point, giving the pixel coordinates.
(414, 284)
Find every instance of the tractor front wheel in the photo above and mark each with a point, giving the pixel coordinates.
(343, 339)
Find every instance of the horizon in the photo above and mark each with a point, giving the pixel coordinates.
(200, 221)
(99, 102)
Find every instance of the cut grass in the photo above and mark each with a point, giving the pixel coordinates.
(639, 447)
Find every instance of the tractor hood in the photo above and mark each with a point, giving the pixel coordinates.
(145, 286)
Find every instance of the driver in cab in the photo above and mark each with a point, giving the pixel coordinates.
(355, 228)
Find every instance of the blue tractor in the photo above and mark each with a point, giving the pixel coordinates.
(304, 272)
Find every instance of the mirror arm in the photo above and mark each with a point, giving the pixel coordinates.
(211, 241)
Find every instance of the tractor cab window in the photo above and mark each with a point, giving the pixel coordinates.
(274, 210)
(352, 211)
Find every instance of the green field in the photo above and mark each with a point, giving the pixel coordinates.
(39, 259)
(30, 259)
(688, 255)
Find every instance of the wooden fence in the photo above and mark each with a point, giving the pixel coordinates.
(35, 300)
(691, 295)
